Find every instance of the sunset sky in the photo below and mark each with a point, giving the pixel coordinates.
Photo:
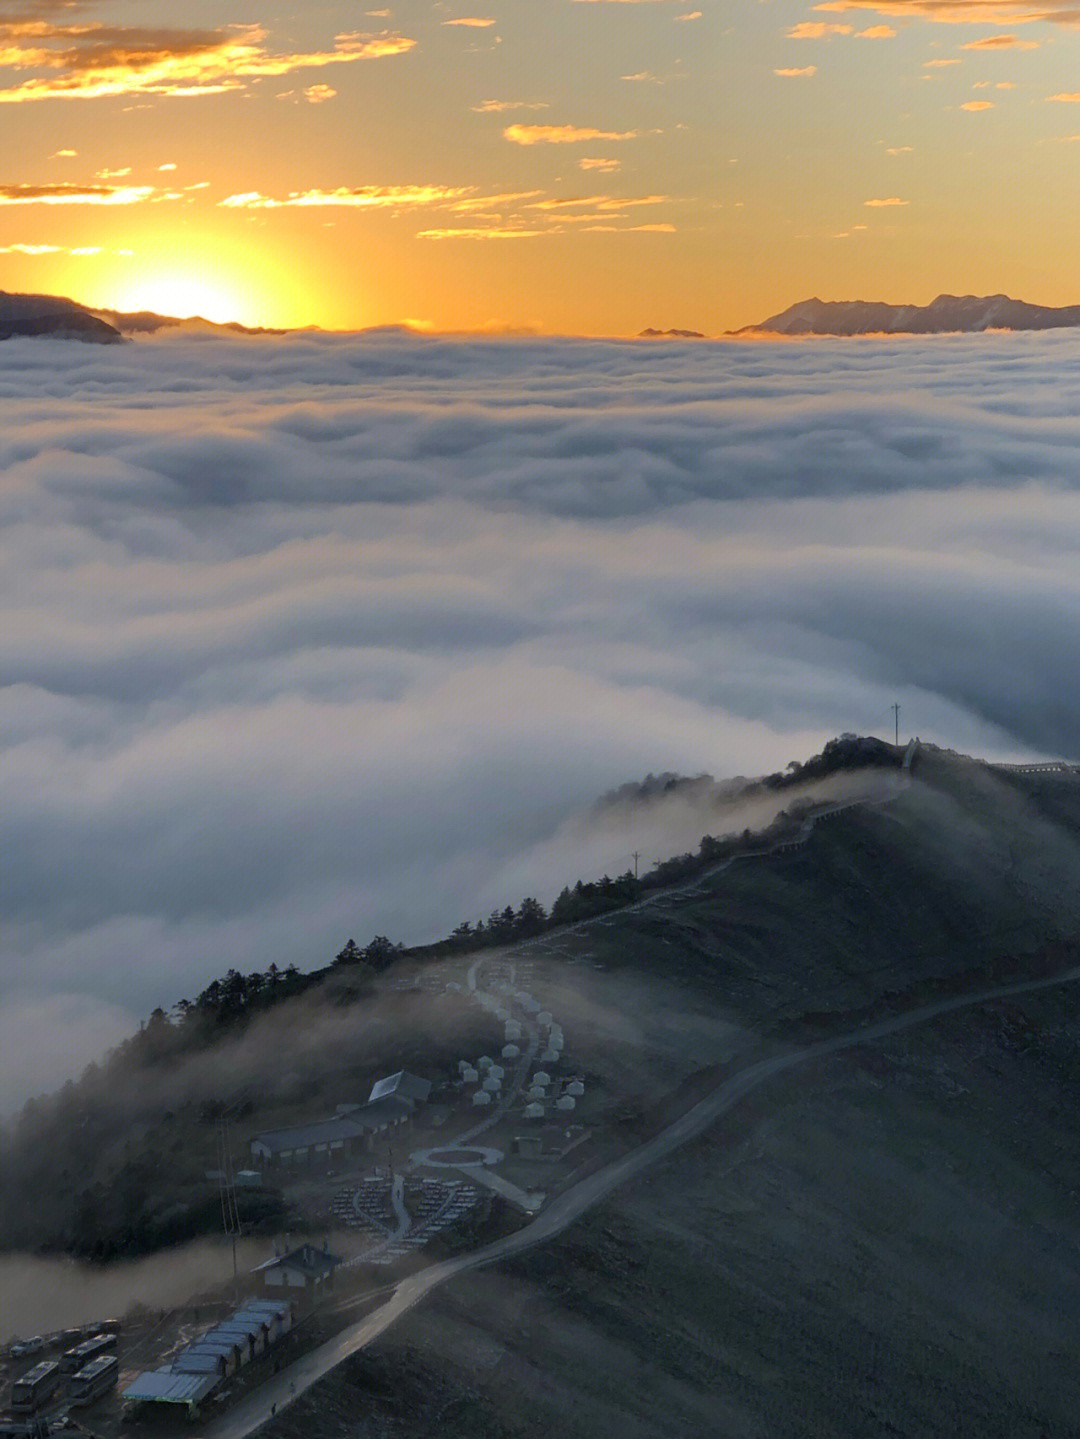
(581, 166)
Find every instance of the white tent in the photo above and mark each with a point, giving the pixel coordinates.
(484, 1062)
(534, 1111)
(511, 1051)
(544, 1017)
(470, 1075)
(541, 1078)
(536, 1092)
(575, 1087)
(496, 1071)
(492, 1085)
(565, 1102)
(481, 1097)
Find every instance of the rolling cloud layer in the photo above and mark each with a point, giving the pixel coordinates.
(324, 635)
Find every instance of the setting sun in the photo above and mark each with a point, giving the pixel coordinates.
(187, 296)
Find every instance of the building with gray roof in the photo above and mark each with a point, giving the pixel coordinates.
(402, 1085)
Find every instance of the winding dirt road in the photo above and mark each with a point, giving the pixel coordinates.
(255, 1409)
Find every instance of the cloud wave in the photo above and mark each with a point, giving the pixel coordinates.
(323, 635)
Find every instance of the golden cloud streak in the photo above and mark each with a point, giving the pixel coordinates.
(364, 197)
(562, 134)
(74, 194)
(963, 12)
(477, 233)
(201, 64)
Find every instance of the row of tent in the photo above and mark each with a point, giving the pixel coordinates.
(202, 1367)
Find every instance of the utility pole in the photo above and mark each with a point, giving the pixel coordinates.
(230, 1214)
(896, 713)
(637, 856)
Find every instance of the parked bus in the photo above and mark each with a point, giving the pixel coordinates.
(78, 1358)
(96, 1379)
(35, 1388)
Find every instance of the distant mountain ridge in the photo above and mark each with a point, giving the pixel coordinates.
(53, 315)
(56, 316)
(947, 314)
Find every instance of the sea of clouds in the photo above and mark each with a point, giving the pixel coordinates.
(318, 635)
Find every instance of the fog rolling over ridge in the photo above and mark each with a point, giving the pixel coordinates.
(318, 635)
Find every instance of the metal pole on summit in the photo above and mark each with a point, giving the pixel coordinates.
(896, 713)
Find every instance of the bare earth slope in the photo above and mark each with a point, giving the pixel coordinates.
(882, 1241)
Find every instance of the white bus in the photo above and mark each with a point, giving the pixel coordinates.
(78, 1358)
(98, 1377)
(35, 1388)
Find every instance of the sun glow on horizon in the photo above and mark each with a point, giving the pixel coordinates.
(186, 296)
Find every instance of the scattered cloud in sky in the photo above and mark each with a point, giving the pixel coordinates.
(975, 105)
(363, 197)
(877, 32)
(88, 61)
(496, 107)
(601, 163)
(1000, 42)
(562, 134)
(75, 194)
(473, 22)
(965, 12)
(816, 30)
(797, 73)
(941, 64)
(880, 204)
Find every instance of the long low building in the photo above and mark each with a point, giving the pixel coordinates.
(326, 1139)
(200, 1369)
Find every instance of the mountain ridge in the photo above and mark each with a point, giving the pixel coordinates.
(946, 314)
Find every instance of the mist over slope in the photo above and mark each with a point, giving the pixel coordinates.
(316, 634)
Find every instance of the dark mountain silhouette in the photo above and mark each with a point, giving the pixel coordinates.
(55, 316)
(948, 313)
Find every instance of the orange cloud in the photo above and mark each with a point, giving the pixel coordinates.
(365, 197)
(816, 30)
(600, 202)
(977, 105)
(1066, 99)
(965, 12)
(473, 22)
(596, 163)
(804, 73)
(660, 229)
(877, 32)
(939, 64)
(495, 107)
(881, 204)
(74, 194)
(96, 61)
(479, 233)
(1001, 42)
(562, 134)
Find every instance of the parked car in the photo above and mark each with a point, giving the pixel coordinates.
(22, 1347)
